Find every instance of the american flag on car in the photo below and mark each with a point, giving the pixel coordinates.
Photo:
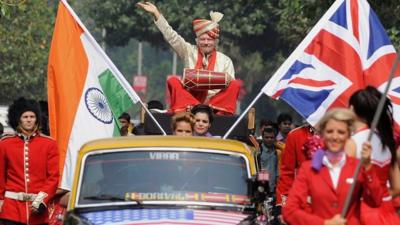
(164, 216)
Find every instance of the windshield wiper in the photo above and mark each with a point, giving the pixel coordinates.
(111, 198)
(223, 208)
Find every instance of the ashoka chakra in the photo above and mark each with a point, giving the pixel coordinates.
(97, 105)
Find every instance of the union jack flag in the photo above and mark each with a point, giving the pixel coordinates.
(346, 50)
(164, 216)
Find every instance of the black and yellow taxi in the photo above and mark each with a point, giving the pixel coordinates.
(164, 180)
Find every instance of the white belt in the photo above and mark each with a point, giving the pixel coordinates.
(21, 196)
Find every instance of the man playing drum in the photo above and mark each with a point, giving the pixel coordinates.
(204, 58)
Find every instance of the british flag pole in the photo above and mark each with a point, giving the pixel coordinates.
(374, 123)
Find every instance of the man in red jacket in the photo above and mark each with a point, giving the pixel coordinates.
(292, 157)
(29, 171)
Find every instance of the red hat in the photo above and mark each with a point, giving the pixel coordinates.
(211, 27)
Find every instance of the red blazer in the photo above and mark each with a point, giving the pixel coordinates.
(326, 201)
(292, 157)
(42, 170)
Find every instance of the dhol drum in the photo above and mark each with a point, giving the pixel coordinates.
(198, 80)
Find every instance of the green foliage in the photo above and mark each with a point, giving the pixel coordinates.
(25, 30)
(388, 12)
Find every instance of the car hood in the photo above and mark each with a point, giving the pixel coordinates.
(164, 216)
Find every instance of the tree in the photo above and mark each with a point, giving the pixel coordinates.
(26, 30)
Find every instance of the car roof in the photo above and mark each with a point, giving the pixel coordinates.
(165, 141)
(149, 141)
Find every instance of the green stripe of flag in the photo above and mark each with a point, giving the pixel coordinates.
(117, 98)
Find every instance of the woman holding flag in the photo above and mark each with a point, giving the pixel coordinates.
(364, 103)
(325, 181)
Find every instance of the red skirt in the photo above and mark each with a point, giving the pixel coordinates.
(383, 215)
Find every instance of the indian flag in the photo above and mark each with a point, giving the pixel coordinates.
(86, 92)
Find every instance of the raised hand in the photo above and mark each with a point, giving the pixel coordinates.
(150, 8)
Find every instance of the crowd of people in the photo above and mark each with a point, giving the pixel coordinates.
(310, 168)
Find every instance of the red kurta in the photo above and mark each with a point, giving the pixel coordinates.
(292, 157)
(326, 201)
(42, 174)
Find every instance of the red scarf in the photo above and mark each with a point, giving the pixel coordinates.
(211, 60)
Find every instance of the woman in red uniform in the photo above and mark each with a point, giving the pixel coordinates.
(383, 157)
(324, 182)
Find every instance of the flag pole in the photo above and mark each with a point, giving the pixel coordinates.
(242, 115)
(374, 124)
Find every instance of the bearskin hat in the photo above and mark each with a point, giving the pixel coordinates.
(18, 107)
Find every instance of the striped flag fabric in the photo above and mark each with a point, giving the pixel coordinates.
(164, 216)
(346, 50)
(86, 92)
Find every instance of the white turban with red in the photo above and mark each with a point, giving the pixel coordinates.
(211, 27)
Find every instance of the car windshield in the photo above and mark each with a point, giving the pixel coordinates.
(164, 176)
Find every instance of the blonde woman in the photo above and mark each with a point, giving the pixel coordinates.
(325, 181)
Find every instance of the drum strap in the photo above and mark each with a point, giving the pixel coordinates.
(211, 60)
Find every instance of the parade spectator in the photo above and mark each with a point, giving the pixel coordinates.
(203, 115)
(204, 56)
(29, 167)
(182, 124)
(266, 123)
(364, 103)
(324, 181)
(284, 121)
(269, 156)
(278, 145)
(127, 128)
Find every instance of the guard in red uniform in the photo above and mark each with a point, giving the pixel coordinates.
(292, 157)
(29, 170)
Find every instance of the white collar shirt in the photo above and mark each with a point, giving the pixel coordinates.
(334, 171)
